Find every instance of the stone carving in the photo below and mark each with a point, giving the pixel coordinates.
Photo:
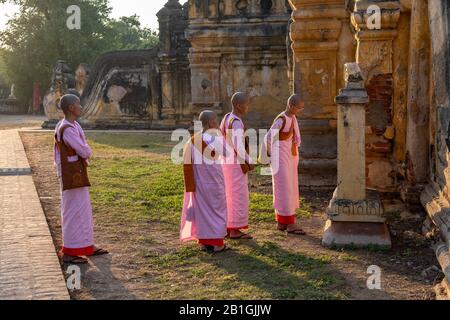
(81, 77)
(362, 210)
(63, 79)
(242, 5)
(123, 90)
(131, 91)
(12, 95)
(116, 93)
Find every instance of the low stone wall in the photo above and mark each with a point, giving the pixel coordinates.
(9, 106)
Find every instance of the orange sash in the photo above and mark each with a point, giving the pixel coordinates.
(188, 168)
(245, 166)
(284, 136)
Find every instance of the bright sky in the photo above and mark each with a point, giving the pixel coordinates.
(145, 9)
(5, 11)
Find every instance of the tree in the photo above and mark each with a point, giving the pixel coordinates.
(38, 36)
(3, 80)
(127, 33)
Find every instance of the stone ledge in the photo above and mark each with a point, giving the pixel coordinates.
(15, 171)
(356, 234)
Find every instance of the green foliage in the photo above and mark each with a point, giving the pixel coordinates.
(4, 90)
(37, 37)
(128, 34)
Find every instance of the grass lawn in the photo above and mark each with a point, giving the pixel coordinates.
(135, 180)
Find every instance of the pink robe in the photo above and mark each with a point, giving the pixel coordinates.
(76, 210)
(204, 215)
(286, 197)
(236, 182)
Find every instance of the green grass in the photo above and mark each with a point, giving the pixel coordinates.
(154, 143)
(264, 271)
(134, 181)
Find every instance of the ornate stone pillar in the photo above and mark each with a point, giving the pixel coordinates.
(168, 112)
(322, 42)
(354, 218)
(205, 56)
(205, 79)
(375, 57)
(173, 63)
(418, 108)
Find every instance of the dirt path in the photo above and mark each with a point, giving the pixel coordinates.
(122, 275)
(20, 121)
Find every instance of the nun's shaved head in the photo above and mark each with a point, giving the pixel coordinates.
(295, 105)
(239, 98)
(295, 100)
(67, 101)
(240, 103)
(206, 117)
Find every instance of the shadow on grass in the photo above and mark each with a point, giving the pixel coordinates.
(280, 273)
(101, 282)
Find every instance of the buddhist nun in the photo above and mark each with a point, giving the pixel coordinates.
(237, 166)
(281, 144)
(71, 155)
(204, 216)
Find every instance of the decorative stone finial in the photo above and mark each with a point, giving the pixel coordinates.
(353, 75)
(354, 91)
(170, 8)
